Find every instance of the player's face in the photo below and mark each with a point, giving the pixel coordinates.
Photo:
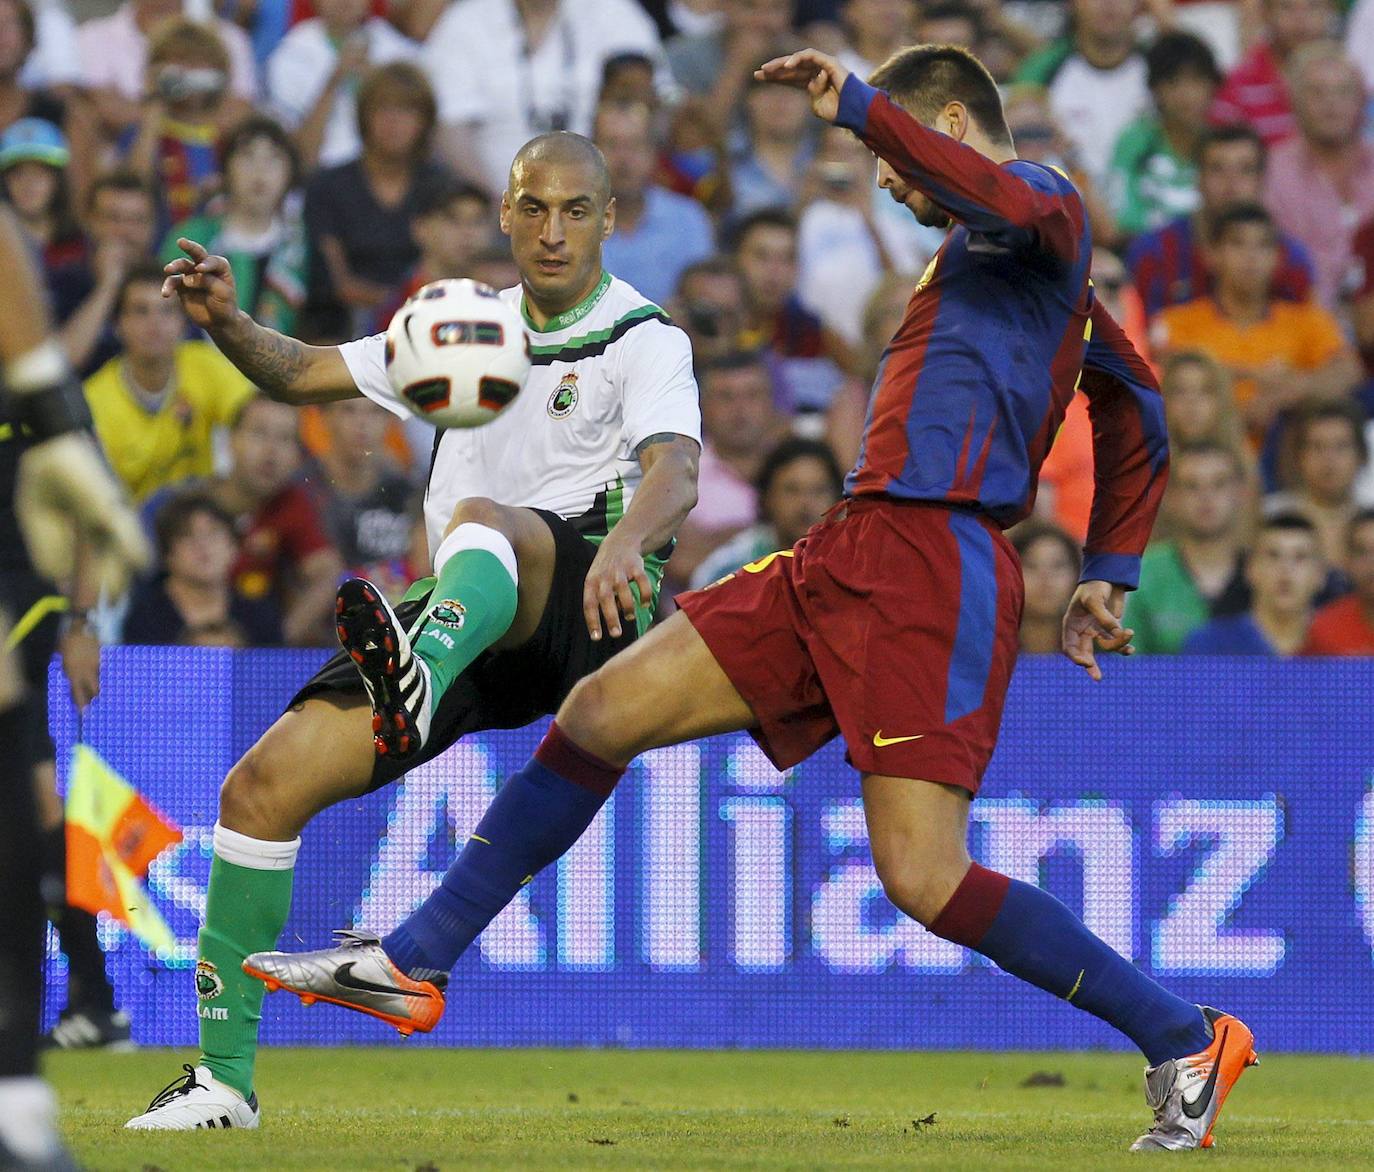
(1230, 173)
(1206, 492)
(149, 325)
(768, 262)
(1050, 576)
(1192, 404)
(556, 222)
(1360, 564)
(204, 551)
(1285, 570)
(921, 205)
(799, 494)
(265, 448)
(1329, 460)
(1245, 259)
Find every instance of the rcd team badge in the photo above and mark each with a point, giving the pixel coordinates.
(209, 984)
(564, 397)
(451, 613)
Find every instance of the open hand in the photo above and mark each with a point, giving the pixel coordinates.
(606, 593)
(819, 74)
(205, 285)
(1093, 622)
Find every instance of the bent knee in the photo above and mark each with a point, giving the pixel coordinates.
(589, 717)
(921, 891)
(252, 798)
(479, 510)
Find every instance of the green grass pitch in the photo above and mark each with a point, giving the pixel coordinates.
(433, 1110)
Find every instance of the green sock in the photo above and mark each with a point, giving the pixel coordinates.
(472, 606)
(245, 911)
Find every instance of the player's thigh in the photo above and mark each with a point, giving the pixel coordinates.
(535, 554)
(663, 689)
(918, 835)
(315, 754)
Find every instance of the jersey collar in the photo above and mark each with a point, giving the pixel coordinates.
(569, 317)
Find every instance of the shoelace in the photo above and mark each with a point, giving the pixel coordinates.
(177, 1087)
(348, 938)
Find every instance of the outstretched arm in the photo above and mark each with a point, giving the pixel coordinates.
(287, 370)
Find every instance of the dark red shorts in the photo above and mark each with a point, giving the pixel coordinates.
(894, 624)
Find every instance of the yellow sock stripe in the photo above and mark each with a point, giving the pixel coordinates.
(478, 838)
(1071, 992)
(48, 604)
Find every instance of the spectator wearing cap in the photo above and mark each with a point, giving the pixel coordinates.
(114, 56)
(1346, 626)
(1256, 93)
(157, 406)
(1285, 572)
(358, 215)
(658, 232)
(1050, 564)
(252, 227)
(1320, 184)
(798, 482)
(33, 173)
(1096, 79)
(1153, 173)
(1170, 265)
(527, 68)
(193, 589)
(1278, 352)
(314, 73)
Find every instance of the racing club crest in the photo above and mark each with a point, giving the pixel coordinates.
(209, 984)
(564, 397)
(450, 613)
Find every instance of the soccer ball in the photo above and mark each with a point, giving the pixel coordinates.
(456, 354)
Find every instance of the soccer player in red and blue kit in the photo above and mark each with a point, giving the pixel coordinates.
(893, 622)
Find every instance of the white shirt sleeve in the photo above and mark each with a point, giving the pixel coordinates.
(657, 384)
(366, 362)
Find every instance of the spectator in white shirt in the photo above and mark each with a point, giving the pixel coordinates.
(506, 70)
(313, 77)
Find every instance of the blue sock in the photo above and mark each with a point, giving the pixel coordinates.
(539, 813)
(1030, 934)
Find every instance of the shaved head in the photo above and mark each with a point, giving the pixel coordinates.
(562, 148)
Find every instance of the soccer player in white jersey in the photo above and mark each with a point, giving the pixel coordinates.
(548, 528)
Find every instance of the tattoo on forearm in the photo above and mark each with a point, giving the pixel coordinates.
(271, 360)
(659, 437)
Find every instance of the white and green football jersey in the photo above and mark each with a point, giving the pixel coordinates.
(606, 375)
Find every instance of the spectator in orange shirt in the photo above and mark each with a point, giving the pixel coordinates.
(1278, 352)
(1346, 626)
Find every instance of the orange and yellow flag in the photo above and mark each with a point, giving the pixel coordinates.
(113, 836)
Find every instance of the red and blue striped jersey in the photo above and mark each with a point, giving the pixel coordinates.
(972, 388)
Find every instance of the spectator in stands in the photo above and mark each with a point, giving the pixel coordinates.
(1255, 92)
(657, 233)
(1198, 402)
(873, 31)
(114, 58)
(709, 306)
(798, 481)
(121, 216)
(1278, 352)
(848, 410)
(948, 22)
(1362, 310)
(628, 77)
(1153, 172)
(1285, 572)
(738, 424)
(262, 237)
(1359, 39)
(156, 407)
(18, 99)
(1170, 264)
(284, 551)
(193, 589)
(768, 168)
(176, 147)
(314, 73)
(1199, 574)
(365, 498)
(1327, 445)
(528, 66)
(1346, 626)
(33, 174)
(1096, 78)
(799, 347)
(1050, 562)
(718, 65)
(358, 215)
(1320, 183)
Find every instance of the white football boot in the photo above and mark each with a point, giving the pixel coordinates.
(197, 1099)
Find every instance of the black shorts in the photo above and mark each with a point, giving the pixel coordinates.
(21, 591)
(501, 689)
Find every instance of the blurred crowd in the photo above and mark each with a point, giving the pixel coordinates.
(341, 153)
